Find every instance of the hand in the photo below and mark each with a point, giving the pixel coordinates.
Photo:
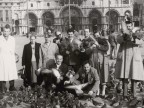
(53, 86)
(61, 78)
(58, 80)
(96, 43)
(90, 93)
(91, 81)
(23, 66)
(66, 82)
(67, 52)
(57, 41)
(93, 46)
(37, 72)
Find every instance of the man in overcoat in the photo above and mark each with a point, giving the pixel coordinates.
(129, 61)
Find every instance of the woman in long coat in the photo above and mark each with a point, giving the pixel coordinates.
(8, 71)
(30, 61)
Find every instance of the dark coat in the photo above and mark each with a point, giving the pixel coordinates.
(63, 69)
(73, 48)
(27, 56)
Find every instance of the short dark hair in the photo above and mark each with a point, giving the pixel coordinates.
(86, 62)
(128, 22)
(70, 30)
(7, 26)
(57, 54)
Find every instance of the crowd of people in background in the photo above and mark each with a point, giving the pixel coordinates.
(78, 64)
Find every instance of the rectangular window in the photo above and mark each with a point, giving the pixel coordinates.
(1, 15)
(5, 3)
(31, 5)
(93, 3)
(48, 4)
(125, 1)
(117, 2)
(7, 15)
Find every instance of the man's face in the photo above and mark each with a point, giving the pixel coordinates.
(32, 40)
(58, 35)
(47, 39)
(70, 35)
(129, 26)
(59, 59)
(7, 32)
(86, 33)
(49, 33)
(86, 67)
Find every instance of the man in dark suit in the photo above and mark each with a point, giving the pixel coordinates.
(30, 61)
(54, 75)
(70, 49)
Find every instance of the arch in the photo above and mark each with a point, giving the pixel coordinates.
(47, 20)
(72, 7)
(112, 18)
(32, 21)
(76, 17)
(95, 20)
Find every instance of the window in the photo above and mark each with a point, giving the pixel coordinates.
(125, 1)
(1, 15)
(0, 3)
(93, 3)
(31, 5)
(5, 3)
(18, 3)
(11, 3)
(7, 19)
(117, 2)
(48, 4)
(6, 15)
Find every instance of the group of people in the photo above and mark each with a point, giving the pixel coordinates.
(74, 63)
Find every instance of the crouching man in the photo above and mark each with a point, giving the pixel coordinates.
(88, 78)
(54, 74)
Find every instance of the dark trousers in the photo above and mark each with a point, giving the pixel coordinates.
(125, 87)
(3, 85)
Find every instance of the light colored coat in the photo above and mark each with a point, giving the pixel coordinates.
(8, 69)
(129, 61)
(47, 54)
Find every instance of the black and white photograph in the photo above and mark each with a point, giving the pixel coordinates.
(71, 53)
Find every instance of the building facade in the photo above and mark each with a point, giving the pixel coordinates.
(39, 15)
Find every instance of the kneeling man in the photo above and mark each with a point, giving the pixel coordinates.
(88, 78)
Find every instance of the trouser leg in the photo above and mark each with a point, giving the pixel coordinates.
(133, 87)
(11, 88)
(125, 87)
(3, 86)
